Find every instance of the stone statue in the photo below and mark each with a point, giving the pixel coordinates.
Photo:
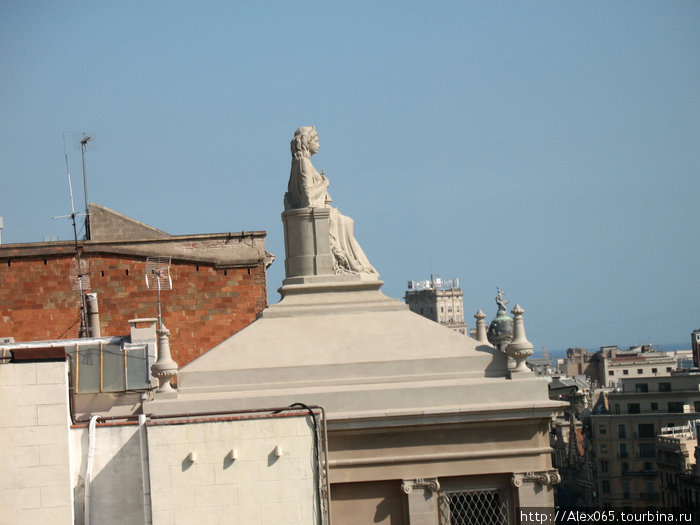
(499, 299)
(308, 188)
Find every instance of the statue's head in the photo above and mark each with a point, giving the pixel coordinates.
(300, 143)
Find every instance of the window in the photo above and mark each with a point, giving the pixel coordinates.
(664, 387)
(647, 450)
(617, 408)
(675, 406)
(602, 429)
(624, 467)
(625, 372)
(611, 372)
(654, 405)
(654, 370)
(697, 406)
(633, 408)
(648, 466)
(668, 369)
(622, 431)
(473, 507)
(605, 486)
(603, 448)
(650, 488)
(646, 430)
(641, 387)
(603, 465)
(622, 450)
(625, 489)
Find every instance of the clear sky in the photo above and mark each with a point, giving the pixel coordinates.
(548, 148)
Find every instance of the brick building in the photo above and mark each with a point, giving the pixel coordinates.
(218, 283)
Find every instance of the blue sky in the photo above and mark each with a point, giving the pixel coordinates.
(548, 148)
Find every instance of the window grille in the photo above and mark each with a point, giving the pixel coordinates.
(473, 507)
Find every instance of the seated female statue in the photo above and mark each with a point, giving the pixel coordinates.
(308, 188)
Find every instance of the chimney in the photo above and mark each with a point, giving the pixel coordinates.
(93, 315)
(1, 226)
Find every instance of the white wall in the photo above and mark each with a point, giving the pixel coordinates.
(34, 452)
(116, 488)
(256, 489)
(43, 463)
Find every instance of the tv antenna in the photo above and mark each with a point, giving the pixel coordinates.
(80, 280)
(83, 148)
(158, 276)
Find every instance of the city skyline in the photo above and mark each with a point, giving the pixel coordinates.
(549, 150)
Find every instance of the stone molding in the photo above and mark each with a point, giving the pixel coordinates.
(431, 484)
(543, 478)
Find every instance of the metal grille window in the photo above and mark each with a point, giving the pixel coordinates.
(473, 507)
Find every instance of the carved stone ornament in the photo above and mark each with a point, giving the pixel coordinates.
(431, 484)
(543, 478)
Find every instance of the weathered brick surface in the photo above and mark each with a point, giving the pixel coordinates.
(205, 306)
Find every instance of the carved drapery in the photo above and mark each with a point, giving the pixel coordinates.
(545, 478)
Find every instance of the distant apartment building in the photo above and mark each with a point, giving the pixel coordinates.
(579, 361)
(695, 341)
(623, 442)
(610, 364)
(678, 466)
(440, 300)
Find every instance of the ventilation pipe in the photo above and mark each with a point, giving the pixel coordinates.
(93, 315)
(88, 468)
(1, 227)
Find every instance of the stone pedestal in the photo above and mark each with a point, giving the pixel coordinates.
(307, 242)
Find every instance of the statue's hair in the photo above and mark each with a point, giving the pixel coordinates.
(300, 142)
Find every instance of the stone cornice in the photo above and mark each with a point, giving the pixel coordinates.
(233, 249)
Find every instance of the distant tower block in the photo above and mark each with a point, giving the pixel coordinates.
(440, 300)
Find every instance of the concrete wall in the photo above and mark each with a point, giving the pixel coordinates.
(34, 451)
(257, 488)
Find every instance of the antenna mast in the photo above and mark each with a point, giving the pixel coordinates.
(83, 321)
(83, 148)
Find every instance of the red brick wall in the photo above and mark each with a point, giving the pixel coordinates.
(205, 306)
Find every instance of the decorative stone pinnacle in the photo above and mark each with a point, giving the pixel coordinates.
(519, 348)
(165, 369)
(481, 327)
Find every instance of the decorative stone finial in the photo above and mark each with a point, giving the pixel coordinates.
(501, 328)
(480, 327)
(519, 348)
(165, 369)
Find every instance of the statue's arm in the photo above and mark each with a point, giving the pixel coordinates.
(315, 185)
